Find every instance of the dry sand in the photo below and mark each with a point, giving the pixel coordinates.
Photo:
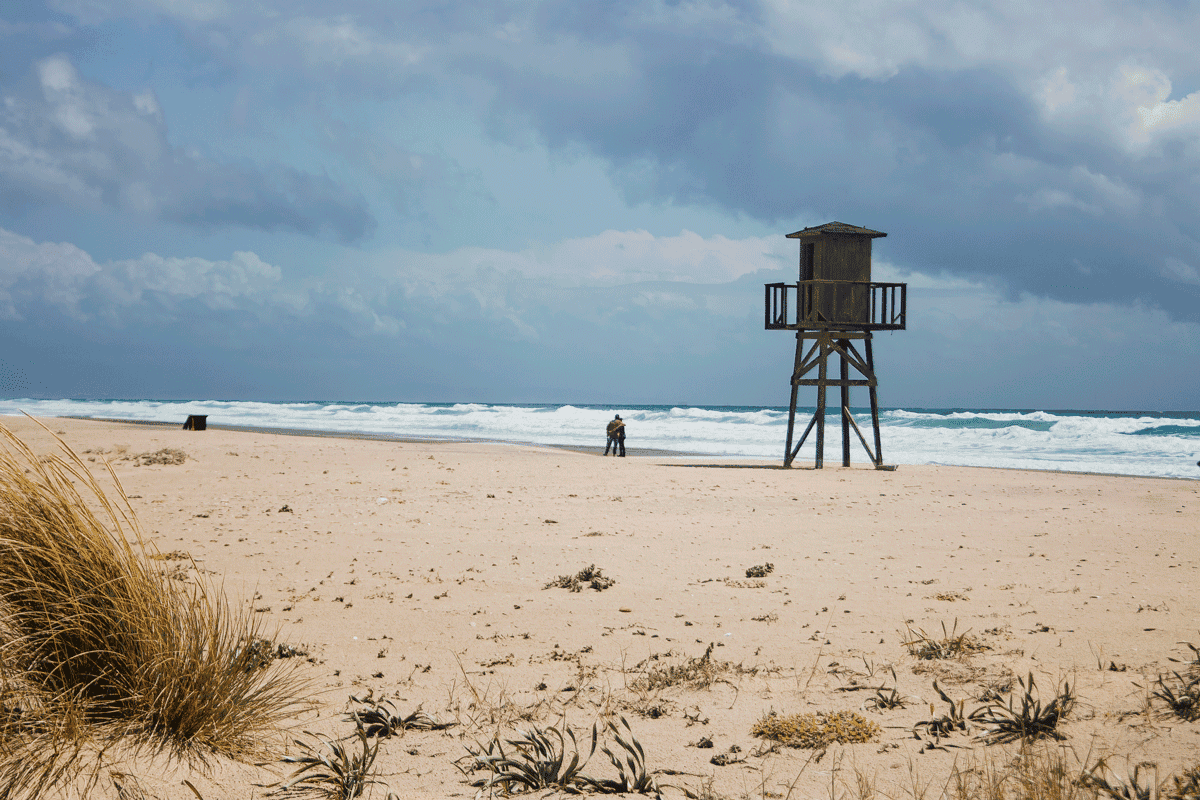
(416, 571)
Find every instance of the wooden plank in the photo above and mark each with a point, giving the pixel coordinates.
(850, 418)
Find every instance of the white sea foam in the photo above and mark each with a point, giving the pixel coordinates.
(1133, 444)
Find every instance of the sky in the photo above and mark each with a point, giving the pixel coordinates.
(580, 202)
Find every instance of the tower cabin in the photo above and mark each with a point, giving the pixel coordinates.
(834, 291)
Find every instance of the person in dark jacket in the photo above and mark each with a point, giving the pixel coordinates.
(616, 436)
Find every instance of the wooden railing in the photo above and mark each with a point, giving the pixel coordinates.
(838, 305)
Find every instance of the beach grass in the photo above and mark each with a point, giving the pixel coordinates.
(101, 653)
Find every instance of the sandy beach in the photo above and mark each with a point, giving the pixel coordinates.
(416, 571)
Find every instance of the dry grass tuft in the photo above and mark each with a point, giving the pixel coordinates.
(695, 673)
(1034, 774)
(816, 731)
(951, 644)
(99, 652)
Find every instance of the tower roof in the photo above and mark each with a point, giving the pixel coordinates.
(840, 228)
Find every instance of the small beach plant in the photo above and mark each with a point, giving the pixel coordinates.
(331, 769)
(1023, 716)
(537, 759)
(953, 720)
(1142, 782)
(1180, 693)
(378, 718)
(630, 762)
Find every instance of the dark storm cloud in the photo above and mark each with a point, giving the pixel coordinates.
(959, 163)
(65, 140)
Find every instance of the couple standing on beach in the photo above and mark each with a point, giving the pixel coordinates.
(616, 436)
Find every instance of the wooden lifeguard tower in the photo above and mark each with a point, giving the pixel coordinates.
(833, 305)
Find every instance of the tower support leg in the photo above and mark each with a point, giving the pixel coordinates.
(822, 377)
(845, 375)
(788, 455)
(874, 400)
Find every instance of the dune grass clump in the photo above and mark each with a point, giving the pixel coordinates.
(816, 731)
(100, 651)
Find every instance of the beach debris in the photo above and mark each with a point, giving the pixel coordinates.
(590, 576)
(761, 571)
(174, 555)
(815, 731)
(725, 759)
(285, 509)
(740, 584)
(259, 652)
(167, 456)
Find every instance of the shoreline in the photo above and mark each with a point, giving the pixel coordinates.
(641, 452)
(592, 449)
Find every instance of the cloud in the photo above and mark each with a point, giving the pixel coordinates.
(81, 144)
(60, 276)
(605, 259)
(496, 325)
(54, 274)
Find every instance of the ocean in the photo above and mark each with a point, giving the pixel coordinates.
(1160, 444)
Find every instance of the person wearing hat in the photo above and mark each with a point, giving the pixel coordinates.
(616, 436)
